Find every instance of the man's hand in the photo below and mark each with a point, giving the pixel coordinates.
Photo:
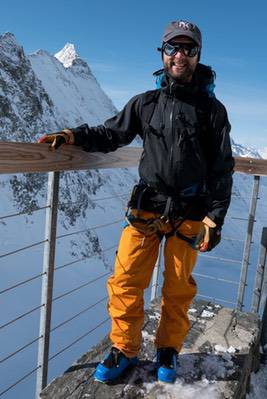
(57, 139)
(209, 236)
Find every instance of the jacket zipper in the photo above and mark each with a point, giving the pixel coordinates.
(172, 129)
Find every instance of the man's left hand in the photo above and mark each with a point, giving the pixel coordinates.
(210, 235)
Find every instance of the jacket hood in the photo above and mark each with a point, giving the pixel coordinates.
(203, 81)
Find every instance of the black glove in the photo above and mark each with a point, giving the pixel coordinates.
(208, 237)
(57, 139)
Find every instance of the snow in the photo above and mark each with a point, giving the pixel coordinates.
(219, 348)
(203, 389)
(207, 314)
(67, 55)
(263, 152)
(258, 387)
(192, 310)
(192, 381)
(75, 93)
(244, 151)
(147, 337)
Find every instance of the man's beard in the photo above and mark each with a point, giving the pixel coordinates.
(182, 73)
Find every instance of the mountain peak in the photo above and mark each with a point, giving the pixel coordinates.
(8, 37)
(67, 55)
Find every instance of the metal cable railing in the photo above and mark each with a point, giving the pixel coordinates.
(20, 380)
(221, 259)
(78, 339)
(94, 200)
(239, 218)
(80, 287)
(21, 316)
(243, 197)
(20, 349)
(22, 213)
(23, 249)
(216, 278)
(232, 239)
(100, 226)
(215, 299)
(84, 258)
(12, 287)
(78, 314)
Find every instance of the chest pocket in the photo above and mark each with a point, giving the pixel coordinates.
(188, 152)
(189, 143)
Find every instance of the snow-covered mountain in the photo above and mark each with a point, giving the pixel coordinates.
(42, 93)
(69, 82)
(240, 150)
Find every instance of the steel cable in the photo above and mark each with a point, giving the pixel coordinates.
(220, 259)
(22, 283)
(20, 349)
(79, 287)
(20, 380)
(23, 213)
(216, 278)
(214, 299)
(78, 339)
(23, 248)
(78, 314)
(232, 239)
(83, 258)
(90, 228)
(94, 200)
(21, 316)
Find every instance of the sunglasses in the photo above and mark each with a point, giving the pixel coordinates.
(188, 49)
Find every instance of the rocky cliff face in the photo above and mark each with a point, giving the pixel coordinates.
(43, 93)
(25, 107)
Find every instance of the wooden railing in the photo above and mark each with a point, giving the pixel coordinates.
(33, 157)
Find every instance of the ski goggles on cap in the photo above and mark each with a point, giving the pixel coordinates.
(188, 49)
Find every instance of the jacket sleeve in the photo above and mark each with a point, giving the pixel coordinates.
(116, 132)
(221, 165)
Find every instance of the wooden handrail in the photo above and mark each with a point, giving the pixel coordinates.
(32, 157)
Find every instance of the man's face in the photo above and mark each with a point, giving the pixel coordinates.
(180, 66)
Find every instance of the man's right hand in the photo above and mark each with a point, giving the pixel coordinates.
(57, 139)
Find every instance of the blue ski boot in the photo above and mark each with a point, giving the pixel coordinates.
(113, 366)
(166, 363)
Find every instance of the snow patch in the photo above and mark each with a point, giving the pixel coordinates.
(258, 384)
(147, 337)
(207, 314)
(67, 55)
(192, 310)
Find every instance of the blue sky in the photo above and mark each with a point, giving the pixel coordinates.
(119, 38)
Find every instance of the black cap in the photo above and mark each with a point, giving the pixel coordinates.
(182, 28)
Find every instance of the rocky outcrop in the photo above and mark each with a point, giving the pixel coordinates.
(220, 352)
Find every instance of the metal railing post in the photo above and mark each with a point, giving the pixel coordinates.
(155, 277)
(247, 246)
(47, 281)
(258, 285)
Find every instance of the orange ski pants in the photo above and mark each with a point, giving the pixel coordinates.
(135, 261)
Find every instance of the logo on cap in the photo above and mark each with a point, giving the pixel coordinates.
(186, 25)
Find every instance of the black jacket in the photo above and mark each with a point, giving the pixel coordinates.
(178, 151)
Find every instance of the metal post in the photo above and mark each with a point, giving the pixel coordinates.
(47, 281)
(258, 286)
(155, 277)
(247, 246)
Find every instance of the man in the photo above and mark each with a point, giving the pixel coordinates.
(183, 194)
